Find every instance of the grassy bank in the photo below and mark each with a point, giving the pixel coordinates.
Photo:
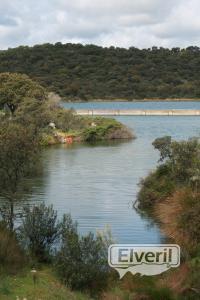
(47, 286)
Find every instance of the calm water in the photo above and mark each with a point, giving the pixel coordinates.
(98, 184)
(134, 105)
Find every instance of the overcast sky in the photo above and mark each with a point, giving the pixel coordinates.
(124, 23)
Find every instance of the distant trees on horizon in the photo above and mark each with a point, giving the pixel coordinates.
(78, 72)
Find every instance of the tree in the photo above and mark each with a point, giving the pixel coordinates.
(163, 144)
(39, 231)
(19, 150)
(15, 89)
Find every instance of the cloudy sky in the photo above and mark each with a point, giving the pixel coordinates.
(124, 23)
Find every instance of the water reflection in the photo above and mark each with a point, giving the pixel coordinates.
(98, 183)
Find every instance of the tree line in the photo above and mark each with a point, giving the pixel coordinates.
(78, 72)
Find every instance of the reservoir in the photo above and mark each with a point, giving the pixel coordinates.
(98, 183)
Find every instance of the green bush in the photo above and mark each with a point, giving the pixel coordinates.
(82, 260)
(39, 231)
(104, 129)
(94, 133)
(180, 168)
(155, 188)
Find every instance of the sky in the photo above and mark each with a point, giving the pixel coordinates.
(122, 23)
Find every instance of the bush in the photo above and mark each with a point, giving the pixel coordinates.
(39, 231)
(180, 169)
(105, 129)
(66, 120)
(82, 261)
(94, 134)
(155, 188)
(12, 258)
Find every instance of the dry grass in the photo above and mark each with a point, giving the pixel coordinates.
(176, 279)
(169, 214)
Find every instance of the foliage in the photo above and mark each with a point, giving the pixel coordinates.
(33, 115)
(31, 108)
(11, 255)
(15, 89)
(155, 293)
(18, 156)
(181, 167)
(188, 221)
(47, 286)
(90, 72)
(105, 129)
(164, 146)
(39, 231)
(177, 209)
(66, 120)
(82, 260)
(155, 188)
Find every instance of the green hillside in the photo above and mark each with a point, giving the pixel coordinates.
(91, 72)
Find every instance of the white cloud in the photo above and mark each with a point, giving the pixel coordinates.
(139, 23)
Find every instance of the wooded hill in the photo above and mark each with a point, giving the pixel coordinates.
(91, 72)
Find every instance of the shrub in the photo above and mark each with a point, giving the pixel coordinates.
(12, 258)
(82, 261)
(39, 231)
(66, 120)
(94, 134)
(155, 188)
(180, 168)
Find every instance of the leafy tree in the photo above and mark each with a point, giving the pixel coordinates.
(35, 115)
(164, 146)
(39, 231)
(19, 151)
(15, 89)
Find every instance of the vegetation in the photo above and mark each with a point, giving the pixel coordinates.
(19, 150)
(21, 286)
(33, 236)
(16, 89)
(83, 258)
(171, 194)
(39, 231)
(26, 103)
(42, 238)
(78, 72)
(12, 258)
(39, 240)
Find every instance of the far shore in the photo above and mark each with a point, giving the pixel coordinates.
(136, 100)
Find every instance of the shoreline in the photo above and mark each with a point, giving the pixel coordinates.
(134, 100)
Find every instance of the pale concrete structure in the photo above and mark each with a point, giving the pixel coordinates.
(136, 112)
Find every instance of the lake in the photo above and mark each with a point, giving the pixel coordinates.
(98, 184)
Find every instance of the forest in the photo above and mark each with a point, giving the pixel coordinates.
(78, 72)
